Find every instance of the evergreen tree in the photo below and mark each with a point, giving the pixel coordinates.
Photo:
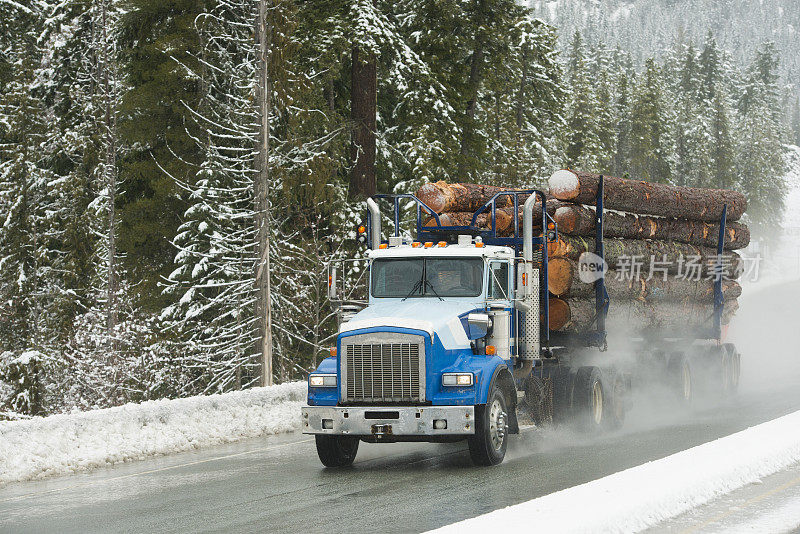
(583, 144)
(157, 41)
(716, 109)
(604, 109)
(650, 143)
(760, 162)
(622, 116)
(795, 124)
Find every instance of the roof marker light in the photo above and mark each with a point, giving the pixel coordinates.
(428, 244)
(383, 246)
(442, 244)
(416, 244)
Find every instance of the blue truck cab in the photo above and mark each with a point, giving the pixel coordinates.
(433, 355)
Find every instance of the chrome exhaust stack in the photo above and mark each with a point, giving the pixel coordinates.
(374, 224)
(528, 289)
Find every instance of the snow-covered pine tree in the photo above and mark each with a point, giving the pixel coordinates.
(690, 129)
(212, 286)
(651, 146)
(603, 68)
(760, 160)
(716, 107)
(583, 149)
(624, 84)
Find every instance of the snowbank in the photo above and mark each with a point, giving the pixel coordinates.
(642, 496)
(58, 444)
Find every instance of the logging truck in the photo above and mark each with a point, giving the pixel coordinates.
(454, 340)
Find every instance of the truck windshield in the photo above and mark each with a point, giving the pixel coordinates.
(427, 277)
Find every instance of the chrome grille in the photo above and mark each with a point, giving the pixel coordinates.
(392, 370)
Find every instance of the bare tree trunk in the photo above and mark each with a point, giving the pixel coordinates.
(363, 109)
(111, 181)
(522, 84)
(474, 85)
(262, 188)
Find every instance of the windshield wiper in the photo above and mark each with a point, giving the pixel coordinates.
(416, 287)
(428, 284)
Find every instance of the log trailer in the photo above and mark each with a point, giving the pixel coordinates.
(453, 342)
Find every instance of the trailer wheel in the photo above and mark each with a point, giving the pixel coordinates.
(488, 445)
(615, 414)
(681, 377)
(336, 451)
(726, 371)
(736, 368)
(589, 398)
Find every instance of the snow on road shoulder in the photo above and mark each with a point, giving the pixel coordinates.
(645, 495)
(59, 444)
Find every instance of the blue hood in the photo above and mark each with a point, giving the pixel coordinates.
(430, 315)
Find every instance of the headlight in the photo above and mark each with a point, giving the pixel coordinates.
(457, 379)
(322, 381)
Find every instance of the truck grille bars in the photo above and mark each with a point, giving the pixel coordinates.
(377, 368)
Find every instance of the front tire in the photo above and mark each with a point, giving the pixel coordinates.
(336, 451)
(488, 445)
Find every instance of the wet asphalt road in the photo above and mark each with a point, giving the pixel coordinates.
(277, 484)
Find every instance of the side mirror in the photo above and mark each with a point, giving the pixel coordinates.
(479, 324)
(332, 293)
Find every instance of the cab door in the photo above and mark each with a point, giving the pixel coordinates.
(498, 300)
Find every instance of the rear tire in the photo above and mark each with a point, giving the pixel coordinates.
(681, 378)
(488, 445)
(336, 451)
(735, 366)
(615, 409)
(589, 399)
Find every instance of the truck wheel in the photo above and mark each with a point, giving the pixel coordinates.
(736, 367)
(336, 451)
(680, 378)
(725, 376)
(588, 398)
(615, 413)
(488, 445)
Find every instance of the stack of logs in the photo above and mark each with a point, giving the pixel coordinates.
(661, 253)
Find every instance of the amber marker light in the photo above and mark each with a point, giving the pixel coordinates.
(491, 350)
(479, 244)
(383, 246)
(428, 244)
(442, 244)
(416, 244)
(361, 229)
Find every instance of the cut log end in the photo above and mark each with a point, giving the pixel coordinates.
(559, 275)
(433, 196)
(559, 314)
(564, 184)
(567, 219)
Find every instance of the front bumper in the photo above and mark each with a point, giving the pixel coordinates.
(389, 421)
